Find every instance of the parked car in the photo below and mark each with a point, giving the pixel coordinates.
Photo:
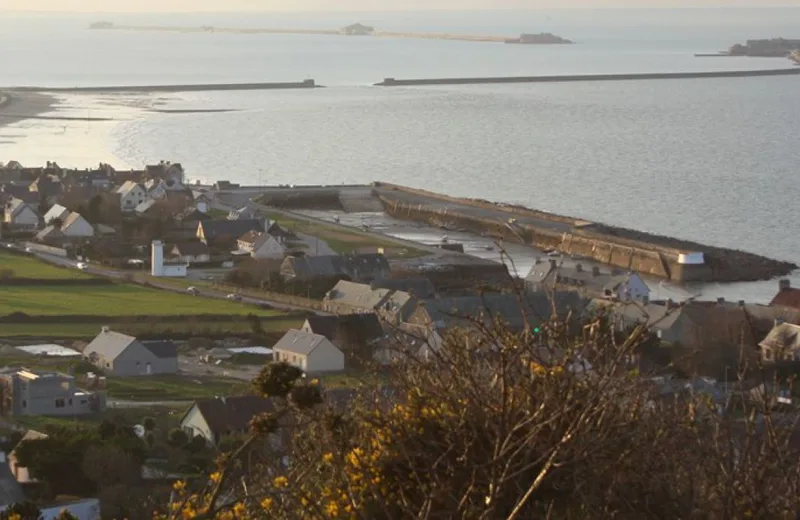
(83, 266)
(193, 291)
(234, 297)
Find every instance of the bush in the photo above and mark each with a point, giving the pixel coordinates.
(492, 423)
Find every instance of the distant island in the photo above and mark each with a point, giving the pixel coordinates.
(355, 29)
(101, 25)
(539, 39)
(772, 48)
(358, 29)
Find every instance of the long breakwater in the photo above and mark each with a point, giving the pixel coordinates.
(326, 32)
(392, 82)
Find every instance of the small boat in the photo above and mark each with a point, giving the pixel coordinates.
(445, 239)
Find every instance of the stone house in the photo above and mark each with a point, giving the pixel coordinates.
(75, 226)
(357, 298)
(261, 245)
(123, 355)
(359, 336)
(781, 344)
(593, 283)
(214, 418)
(309, 352)
(224, 233)
(131, 194)
(21, 215)
(34, 392)
(357, 267)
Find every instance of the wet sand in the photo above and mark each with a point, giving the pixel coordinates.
(24, 105)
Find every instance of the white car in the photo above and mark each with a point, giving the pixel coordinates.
(193, 290)
(82, 266)
(234, 297)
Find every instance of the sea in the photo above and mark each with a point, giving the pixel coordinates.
(712, 160)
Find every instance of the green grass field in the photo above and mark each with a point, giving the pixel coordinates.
(166, 417)
(189, 326)
(113, 300)
(172, 388)
(29, 267)
(343, 240)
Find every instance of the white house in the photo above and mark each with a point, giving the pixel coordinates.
(122, 355)
(57, 212)
(131, 194)
(214, 418)
(309, 352)
(191, 252)
(261, 245)
(21, 215)
(76, 226)
(627, 287)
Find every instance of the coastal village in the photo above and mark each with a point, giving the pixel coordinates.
(136, 298)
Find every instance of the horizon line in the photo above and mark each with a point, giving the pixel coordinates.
(441, 10)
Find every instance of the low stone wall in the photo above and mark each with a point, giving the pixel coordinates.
(49, 250)
(621, 247)
(479, 203)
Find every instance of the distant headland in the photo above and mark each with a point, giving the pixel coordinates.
(356, 29)
(768, 48)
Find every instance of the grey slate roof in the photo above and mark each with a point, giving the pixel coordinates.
(367, 324)
(109, 344)
(420, 287)
(10, 490)
(229, 228)
(49, 233)
(299, 342)
(161, 349)
(192, 248)
(357, 266)
(533, 308)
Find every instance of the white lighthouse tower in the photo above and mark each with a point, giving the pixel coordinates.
(160, 268)
(157, 258)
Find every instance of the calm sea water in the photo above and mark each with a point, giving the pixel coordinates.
(710, 160)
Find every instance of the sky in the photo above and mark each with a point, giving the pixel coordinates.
(97, 6)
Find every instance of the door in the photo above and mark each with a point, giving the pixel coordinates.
(149, 369)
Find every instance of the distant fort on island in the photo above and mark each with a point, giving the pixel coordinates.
(765, 48)
(356, 29)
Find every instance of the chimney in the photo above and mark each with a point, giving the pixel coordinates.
(537, 261)
(778, 321)
(104, 329)
(741, 303)
(720, 301)
(784, 284)
(595, 271)
(553, 264)
(670, 304)
(579, 268)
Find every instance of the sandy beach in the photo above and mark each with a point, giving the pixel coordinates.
(18, 106)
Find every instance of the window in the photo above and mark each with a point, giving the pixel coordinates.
(70, 402)
(60, 403)
(24, 403)
(84, 401)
